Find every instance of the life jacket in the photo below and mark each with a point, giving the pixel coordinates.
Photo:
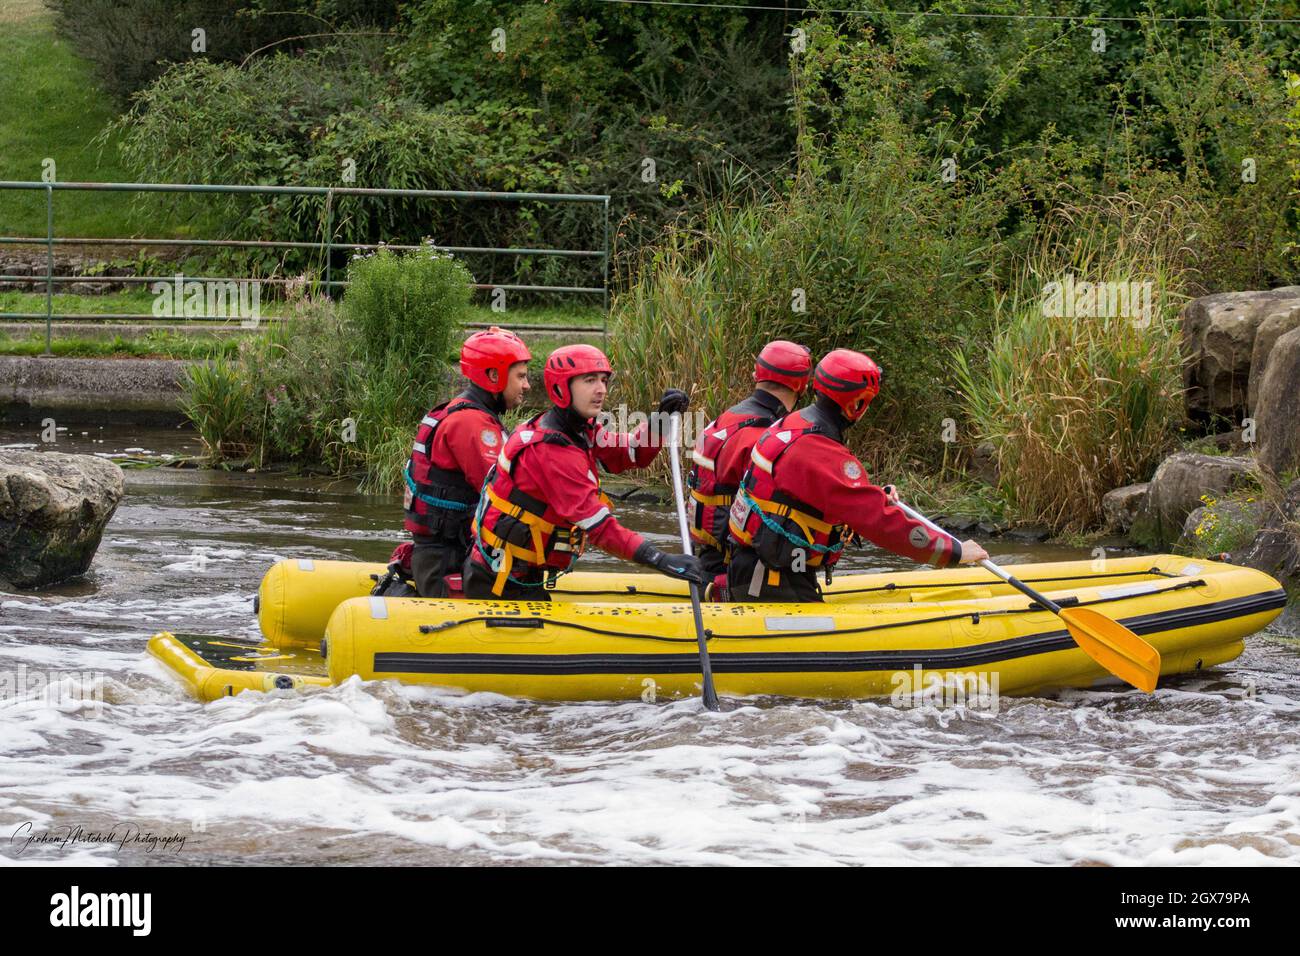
(778, 525)
(710, 497)
(513, 527)
(439, 502)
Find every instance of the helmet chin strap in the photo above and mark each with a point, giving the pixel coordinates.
(493, 400)
(832, 412)
(574, 422)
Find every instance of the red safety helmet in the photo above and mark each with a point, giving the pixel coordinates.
(850, 379)
(786, 363)
(492, 349)
(569, 361)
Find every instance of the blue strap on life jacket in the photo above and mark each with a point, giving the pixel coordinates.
(430, 499)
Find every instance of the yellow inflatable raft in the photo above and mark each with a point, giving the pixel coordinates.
(877, 635)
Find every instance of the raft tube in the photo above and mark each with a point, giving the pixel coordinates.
(297, 596)
(213, 667)
(875, 641)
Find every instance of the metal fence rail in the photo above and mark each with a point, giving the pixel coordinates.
(327, 245)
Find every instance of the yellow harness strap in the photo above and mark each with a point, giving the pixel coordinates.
(539, 529)
(721, 501)
(806, 522)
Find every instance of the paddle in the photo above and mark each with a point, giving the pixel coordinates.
(706, 669)
(1106, 641)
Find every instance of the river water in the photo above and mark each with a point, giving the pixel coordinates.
(1207, 770)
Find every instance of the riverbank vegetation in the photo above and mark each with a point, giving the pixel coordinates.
(923, 188)
(340, 384)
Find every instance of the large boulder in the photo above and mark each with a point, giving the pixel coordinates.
(1272, 328)
(1276, 551)
(53, 509)
(1176, 488)
(1226, 527)
(1219, 333)
(1277, 408)
(1121, 506)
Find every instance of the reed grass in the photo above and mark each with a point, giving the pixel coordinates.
(1078, 405)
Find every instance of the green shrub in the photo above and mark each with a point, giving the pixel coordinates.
(130, 43)
(410, 306)
(340, 386)
(220, 403)
(1226, 525)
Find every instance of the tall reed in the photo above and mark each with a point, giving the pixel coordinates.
(1077, 404)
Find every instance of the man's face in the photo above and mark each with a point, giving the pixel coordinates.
(516, 385)
(588, 393)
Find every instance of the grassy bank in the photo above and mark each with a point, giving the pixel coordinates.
(153, 345)
(53, 110)
(140, 301)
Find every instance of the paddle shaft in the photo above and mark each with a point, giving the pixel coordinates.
(988, 565)
(706, 668)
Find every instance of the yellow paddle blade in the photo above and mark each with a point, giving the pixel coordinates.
(1114, 646)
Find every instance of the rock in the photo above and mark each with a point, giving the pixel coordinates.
(1121, 506)
(1231, 525)
(53, 509)
(1029, 532)
(957, 524)
(1219, 334)
(1175, 491)
(984, 462)
(1273, 327)
(992, 526)
(1277, 408)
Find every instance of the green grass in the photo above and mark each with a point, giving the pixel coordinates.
(131, 302)
(52, 109)
(140, 301)
(571, 315)
(154, 345)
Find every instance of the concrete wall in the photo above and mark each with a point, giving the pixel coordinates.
(91, 390)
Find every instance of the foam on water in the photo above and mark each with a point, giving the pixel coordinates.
(1203, 772)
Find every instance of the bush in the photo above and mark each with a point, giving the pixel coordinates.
(220, 403)
(130, 43)
(409, 306)
(286, 120)
(340, 387)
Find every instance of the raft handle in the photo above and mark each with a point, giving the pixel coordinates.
(1070, 601)
(489, 621)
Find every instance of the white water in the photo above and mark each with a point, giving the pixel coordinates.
(1204, 772)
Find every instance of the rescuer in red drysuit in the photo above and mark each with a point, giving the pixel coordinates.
(721, 454)
(543, 504)
(804, 488)
(455, 446)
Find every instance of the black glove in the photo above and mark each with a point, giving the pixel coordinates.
(685, 567)
(674, 400)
